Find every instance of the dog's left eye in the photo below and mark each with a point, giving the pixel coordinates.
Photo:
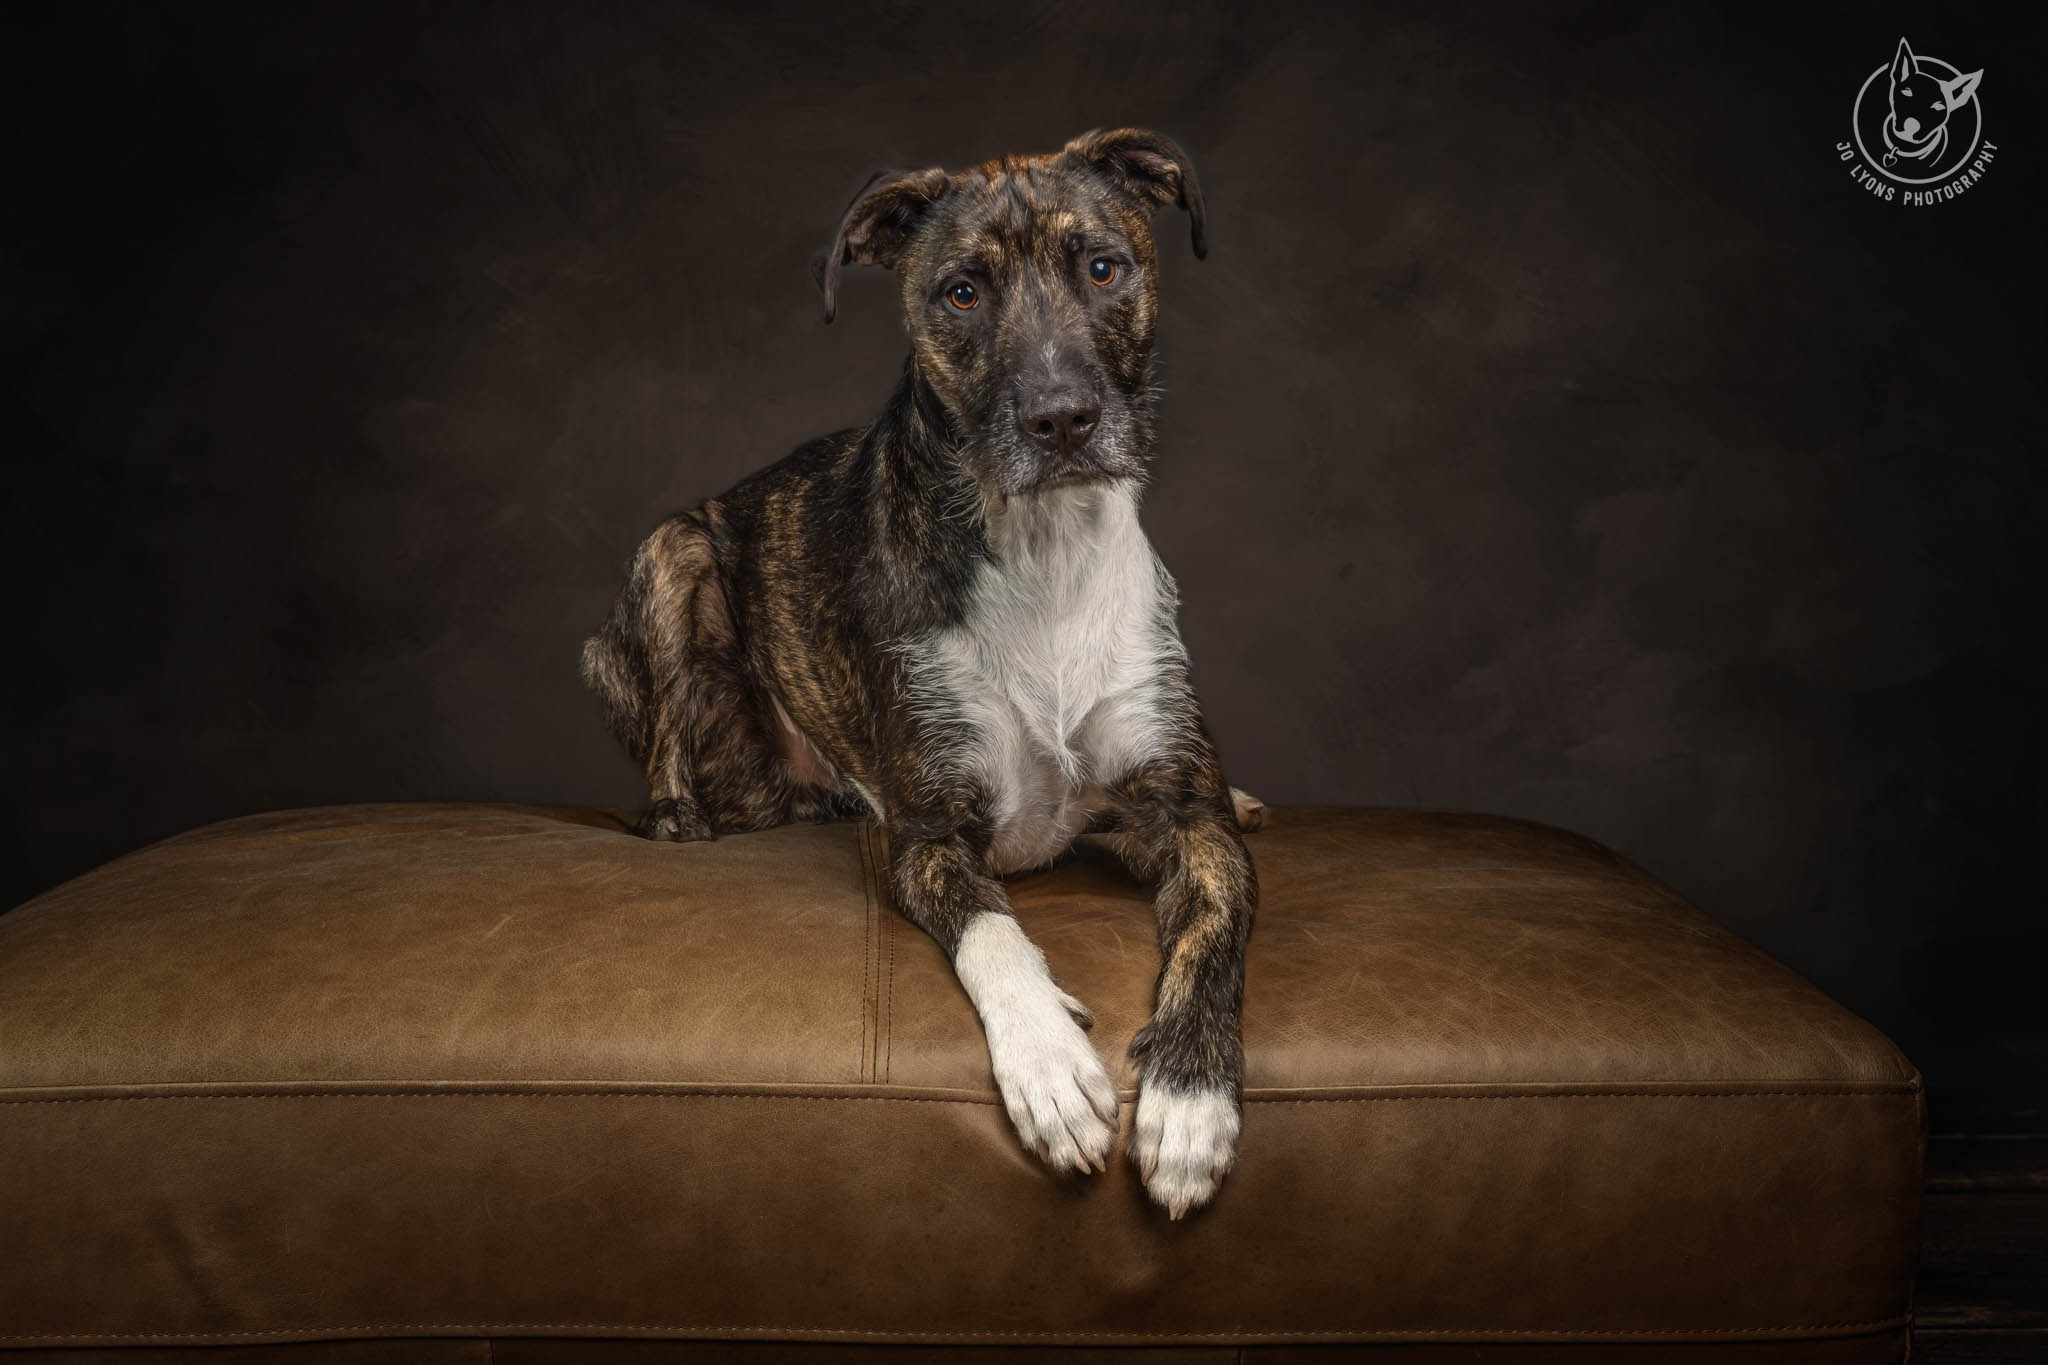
(1102, 270)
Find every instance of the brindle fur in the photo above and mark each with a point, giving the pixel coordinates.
(802, 587)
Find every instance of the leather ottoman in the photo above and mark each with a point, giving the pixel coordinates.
(492, 1083)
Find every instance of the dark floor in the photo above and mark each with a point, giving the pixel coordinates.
(1983, 1289)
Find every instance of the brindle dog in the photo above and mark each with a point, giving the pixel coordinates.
(949, 619)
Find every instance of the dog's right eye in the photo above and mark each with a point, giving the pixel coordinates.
(963, 296)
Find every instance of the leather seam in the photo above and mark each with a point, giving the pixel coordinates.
(867, 958)
(1555, 1334)
(889, 999)
(867, 955)
(1250, 1098)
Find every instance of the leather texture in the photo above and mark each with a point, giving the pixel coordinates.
(491, 1072)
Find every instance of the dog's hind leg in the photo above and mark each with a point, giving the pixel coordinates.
(669, 667)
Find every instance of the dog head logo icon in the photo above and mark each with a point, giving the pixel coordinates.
(1917, 118)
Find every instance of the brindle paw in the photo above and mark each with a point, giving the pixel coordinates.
(1183, 1143)
(670, 821)
(1250, 811)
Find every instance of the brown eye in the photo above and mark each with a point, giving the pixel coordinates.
(963, 296)
(1102, 270)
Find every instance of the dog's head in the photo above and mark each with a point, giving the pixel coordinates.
(1030, 289)
(1921, 102)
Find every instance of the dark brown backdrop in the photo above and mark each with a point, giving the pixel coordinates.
(1554, 429)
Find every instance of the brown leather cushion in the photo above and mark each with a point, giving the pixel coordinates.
(413, 1071)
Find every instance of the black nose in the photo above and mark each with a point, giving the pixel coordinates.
(1062, 420)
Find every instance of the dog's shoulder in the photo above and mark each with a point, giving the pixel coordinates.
(821, 462)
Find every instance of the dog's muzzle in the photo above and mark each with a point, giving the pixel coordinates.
(1060, 421)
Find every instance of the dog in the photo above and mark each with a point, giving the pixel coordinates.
(1917, 129)
(950, 621)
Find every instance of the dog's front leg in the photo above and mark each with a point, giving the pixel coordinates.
(1179, 822)
(1057, 1092)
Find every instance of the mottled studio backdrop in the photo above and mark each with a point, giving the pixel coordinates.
(1555, 429)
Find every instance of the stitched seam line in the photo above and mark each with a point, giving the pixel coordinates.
(1871, 1324)
(888, 919)
(923, 1099)
(867, 959)
(867, 955)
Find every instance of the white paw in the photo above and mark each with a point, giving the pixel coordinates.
(1184, 1144)
(1058, 1093)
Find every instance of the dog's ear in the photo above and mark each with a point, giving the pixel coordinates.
(1150, 166)
(1958, 91)
(876, 225)
(1904, 68)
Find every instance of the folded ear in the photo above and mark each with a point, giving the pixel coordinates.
(1904, 68)
(1958, 91)
(1147, 165)
(877, 224)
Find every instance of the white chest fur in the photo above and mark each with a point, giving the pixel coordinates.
(1062, 673)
